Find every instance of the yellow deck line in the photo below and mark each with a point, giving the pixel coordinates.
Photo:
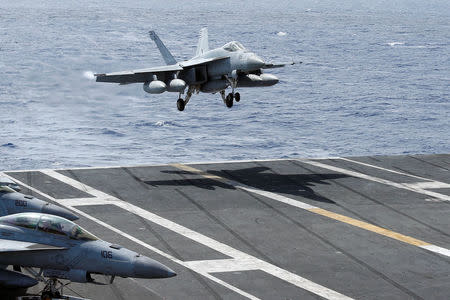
(369, 227)
(320, 211)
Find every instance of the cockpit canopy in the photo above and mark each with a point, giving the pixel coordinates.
(6, 189)
(233, 46)
(49, 224)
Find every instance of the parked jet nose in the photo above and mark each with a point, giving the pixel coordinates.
(254, 62)
(145, 267)
(52, 209)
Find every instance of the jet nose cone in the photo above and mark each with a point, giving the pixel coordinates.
(59, 211)
(145, 267)
(254, 62)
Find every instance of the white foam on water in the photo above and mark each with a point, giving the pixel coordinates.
(281, 33)
(393, 44)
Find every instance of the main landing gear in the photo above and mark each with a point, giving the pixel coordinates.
(181, 104)
(228, 100)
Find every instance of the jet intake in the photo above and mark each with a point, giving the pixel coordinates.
(155, 87)
(176, 85)
(74, 275)
(214, 86)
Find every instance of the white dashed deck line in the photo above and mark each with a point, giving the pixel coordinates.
(429, 185)
(247, 261)
(276, 197)
(437, 249)
(404, 186)
(383, 169)
(221, 265)
(426, 183)
(85, 201)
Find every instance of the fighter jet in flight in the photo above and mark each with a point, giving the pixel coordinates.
(13, 202)
(62, 249)
(209, 71)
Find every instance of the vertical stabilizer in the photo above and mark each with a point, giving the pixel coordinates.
(168, 57)
(202, 45)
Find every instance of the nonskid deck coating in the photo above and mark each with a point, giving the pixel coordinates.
(362, 228)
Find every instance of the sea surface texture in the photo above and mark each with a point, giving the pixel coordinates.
(375, 79)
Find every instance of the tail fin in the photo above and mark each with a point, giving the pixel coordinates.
(202, 45)
(167, 56)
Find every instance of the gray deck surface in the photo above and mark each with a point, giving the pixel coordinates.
(355, 262)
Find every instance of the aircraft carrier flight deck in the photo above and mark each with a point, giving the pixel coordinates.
(338, 228)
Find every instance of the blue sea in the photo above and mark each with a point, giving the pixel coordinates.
(375, 79)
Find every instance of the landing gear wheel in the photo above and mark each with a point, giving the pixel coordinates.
(46, 296)
(229, 100)
(181, 104)
(237, 97)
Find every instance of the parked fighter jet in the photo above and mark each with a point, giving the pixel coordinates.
(64, 250)
(209, 71)
(13, 202)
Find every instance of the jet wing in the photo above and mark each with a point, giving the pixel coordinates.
(140, 75)
(8, 246)
(278, 65)
(144, 75)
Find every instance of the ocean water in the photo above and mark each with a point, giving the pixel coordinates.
(375, 79)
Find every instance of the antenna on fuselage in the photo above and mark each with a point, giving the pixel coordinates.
(167, 56)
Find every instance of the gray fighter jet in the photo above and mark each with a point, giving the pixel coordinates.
(13, 202)
(63, 250)
(209, 71)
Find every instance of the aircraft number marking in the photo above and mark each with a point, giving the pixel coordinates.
(23, 203)
(106, 254)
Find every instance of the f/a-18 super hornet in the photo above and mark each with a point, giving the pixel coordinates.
(13, 202)
(209, 71)
(61, 249)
